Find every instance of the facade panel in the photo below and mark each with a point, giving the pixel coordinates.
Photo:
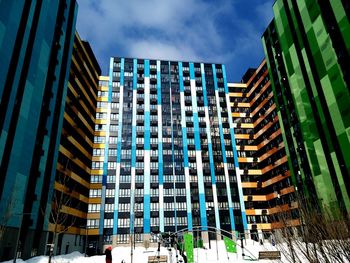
(311, 69)
(169, 166)
(35, 49)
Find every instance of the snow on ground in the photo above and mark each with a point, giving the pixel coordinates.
(212, 255)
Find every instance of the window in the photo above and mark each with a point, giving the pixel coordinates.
(114, 116)
(168, 206)
(107, 239)
(93, 223)
(98, 152)
(181, 206)
(154, 206)
(124, 192)
(97, 165)
(102, 104)
(102, 93)
(123, 222)
(108, 223)
(182, 220)
(154, 221)
(100, 127)
(169, 221)
(114, 105)
(116, 84)
(138, 192)
(95, 179)
(112, 152)
(112, 165)
(101, 115)
(113, 127)
(113, 140)
(109, 207)
(169, 192)
(99, 139)
(115, 95)
(95, 193)
(123, 238)
(110, 192)
(138, 207)
(93, 208)
(110, 178)
(138, 222)
(124, 207)
(154, 192)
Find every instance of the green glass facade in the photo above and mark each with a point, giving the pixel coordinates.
(36, 40)
(307, 47)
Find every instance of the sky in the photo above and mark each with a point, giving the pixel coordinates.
(211, 31)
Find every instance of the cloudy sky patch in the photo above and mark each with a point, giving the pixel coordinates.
(220, 31)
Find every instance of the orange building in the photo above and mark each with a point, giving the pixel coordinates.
(267, 186)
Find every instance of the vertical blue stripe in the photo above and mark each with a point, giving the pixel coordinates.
(222, 142)
(160, 145)
(105, 163)
(147, 147)
(233, 141)
(200, 179)
(133, 148)
(119, 146)
(185, 148)
(210, 147)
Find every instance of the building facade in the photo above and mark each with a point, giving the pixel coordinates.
(266, 179)
(35, 49)
(308, 52)
(164, 155)
(72, 183)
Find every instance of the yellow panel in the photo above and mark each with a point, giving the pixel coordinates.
(73, 159)
(99, 121)
(73, 211)
(101, 109)
(237, 85)
(96, 172)
(254, 172)
(97, 158)
(99, 145)
(93, 232)
(105, 78)
(249, 185)
(102, 99)
(100, 133)
(96, 186)
(247, 125)
(73, 175)
(93, 215)
(95, 200)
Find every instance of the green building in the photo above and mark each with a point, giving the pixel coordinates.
(307, 47)
(36, 41)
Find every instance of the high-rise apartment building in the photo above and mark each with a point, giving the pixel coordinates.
(72, 184)
(266, 179)
(36, 41)
(165, 157)
(308, 52)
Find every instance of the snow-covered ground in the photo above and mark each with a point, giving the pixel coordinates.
(212, 255)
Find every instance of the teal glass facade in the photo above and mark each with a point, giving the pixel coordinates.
(36, 40)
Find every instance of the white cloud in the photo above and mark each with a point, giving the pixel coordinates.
(183, 29)
(174, 29)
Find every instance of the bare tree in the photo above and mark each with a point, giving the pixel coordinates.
(62, 199)
(322, 235)
(4, 219)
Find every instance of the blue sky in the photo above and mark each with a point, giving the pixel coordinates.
(213, 31)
